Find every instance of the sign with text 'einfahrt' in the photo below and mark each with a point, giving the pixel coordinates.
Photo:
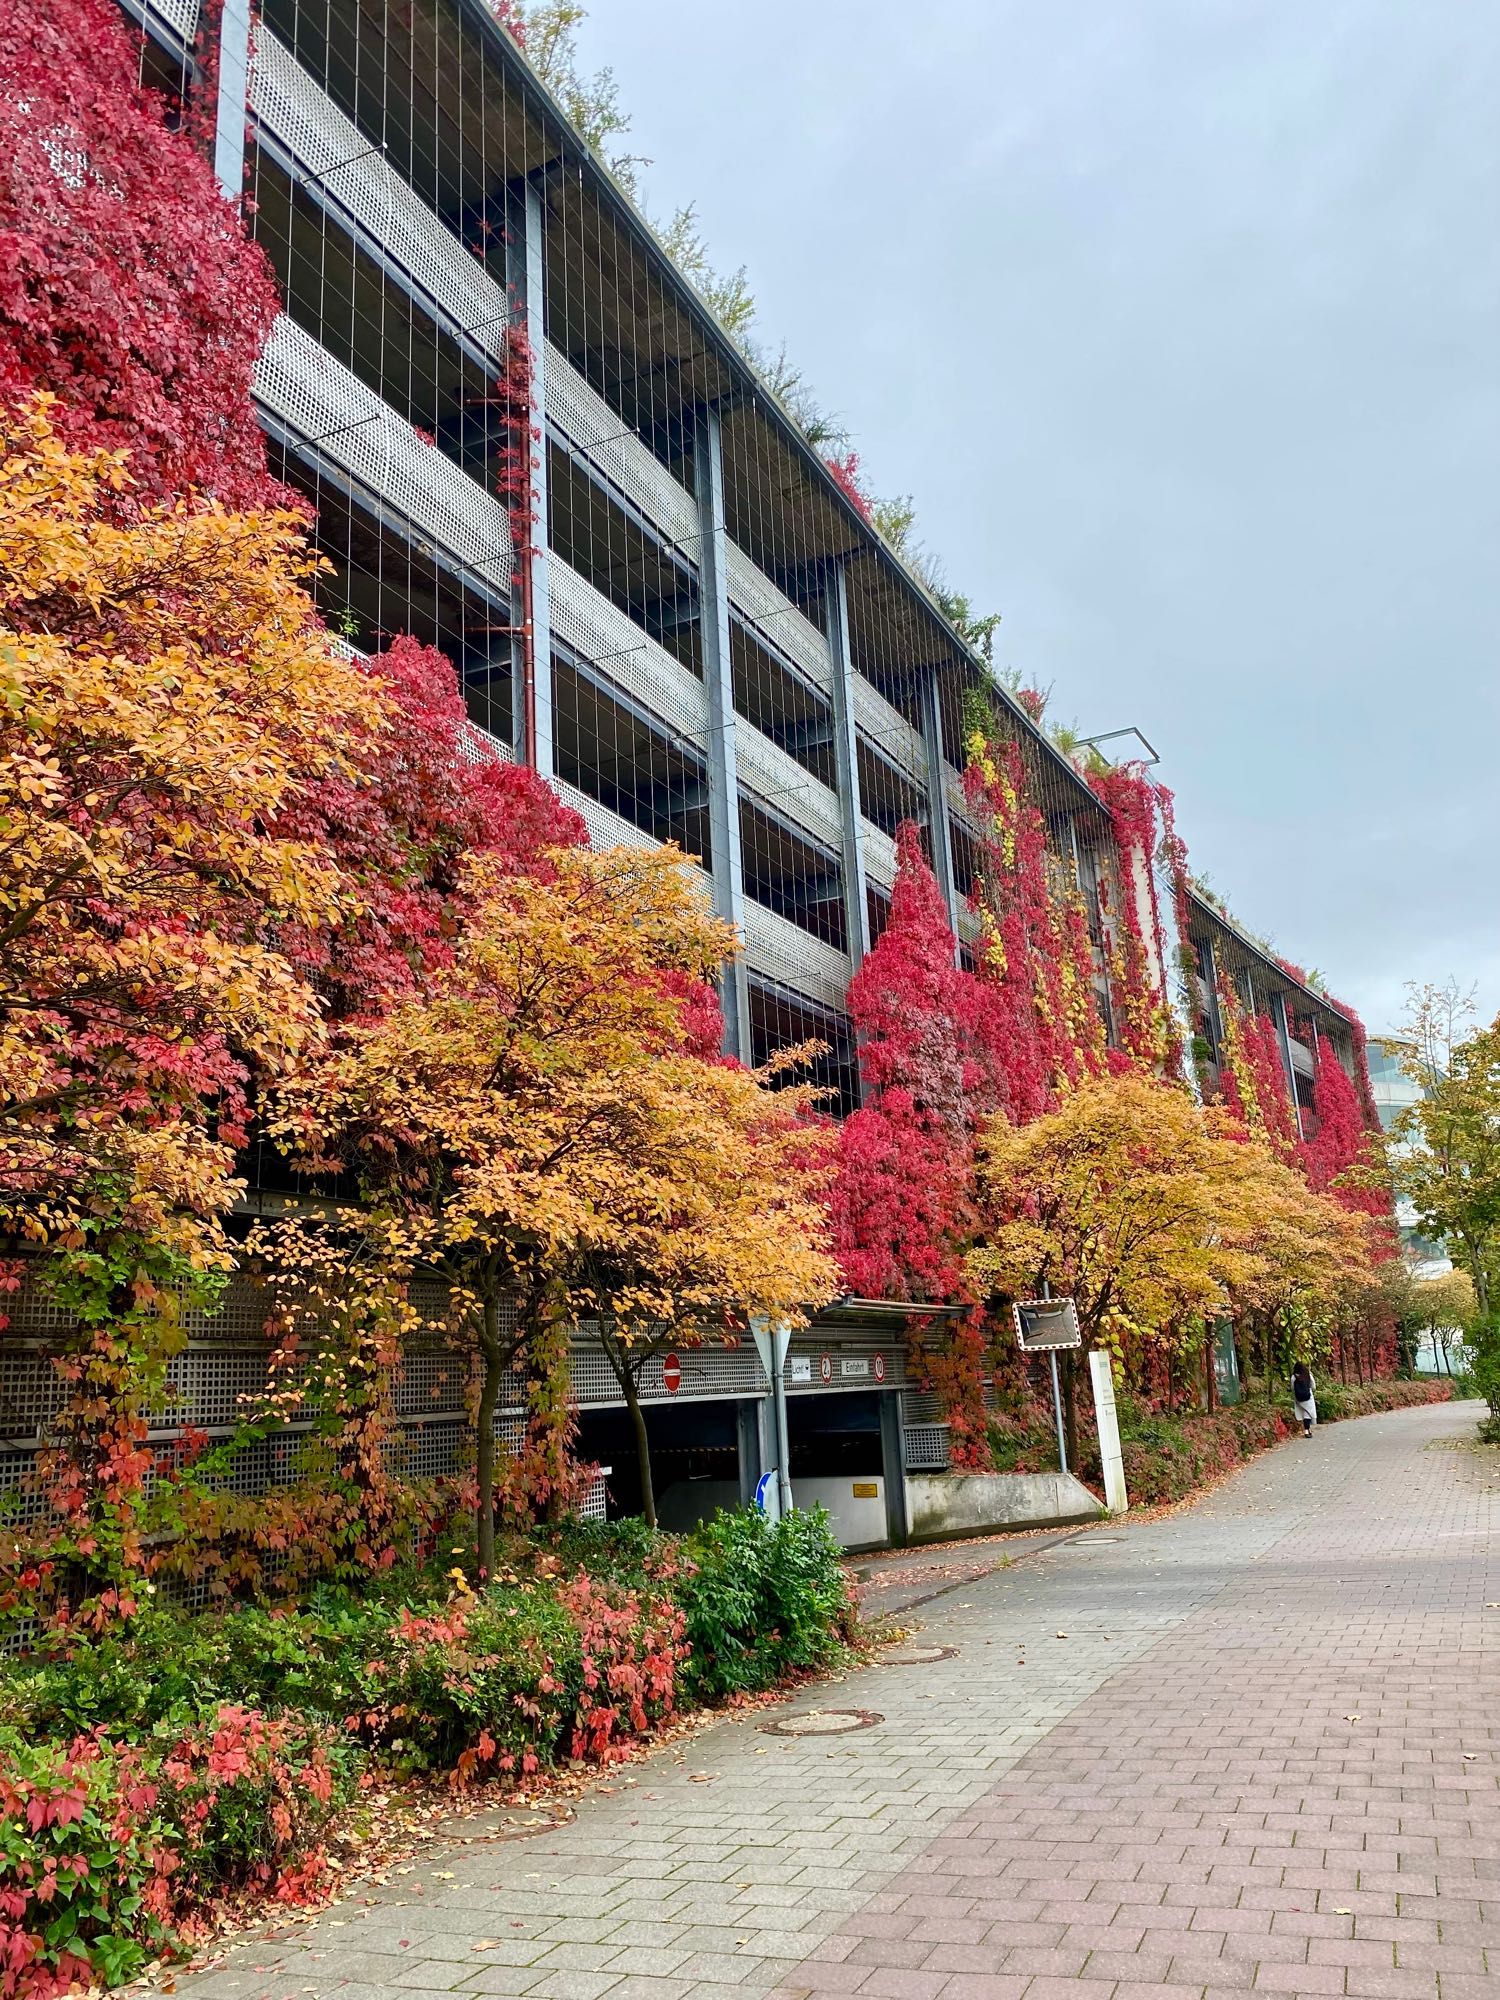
(1042, 1324)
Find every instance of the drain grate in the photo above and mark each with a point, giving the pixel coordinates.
(915, 1656)
(823, 1722)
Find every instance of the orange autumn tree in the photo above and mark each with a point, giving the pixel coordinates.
(496, 1119)
(1145, 1209)
(721, 1218)
(165, 692)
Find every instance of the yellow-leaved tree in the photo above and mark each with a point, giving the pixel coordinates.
(165, 691)
(504, 1123)
(721, 1219)
(1155, 1216)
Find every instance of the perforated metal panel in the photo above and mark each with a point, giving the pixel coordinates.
(588, 423)
(325, 403)
(785, 952)
(181, 16)
(926, 1448)
(708, 1371)
(360, 179)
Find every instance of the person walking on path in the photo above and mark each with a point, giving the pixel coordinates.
(1303, 1386)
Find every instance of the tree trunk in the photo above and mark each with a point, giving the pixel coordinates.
(1070, 1407)
(642, 1444)
(484, 1445)
(630, 1389)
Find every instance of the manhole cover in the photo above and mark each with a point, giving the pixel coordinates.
(823, 1722)
(916, 1656)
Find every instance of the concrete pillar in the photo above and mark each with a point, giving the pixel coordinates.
(1284, 1036)
(751, 1422)
(232, 108)
(718, 682)
(937, 792)
(846, 761)
(1214, 1009)
(531, 592)
(893, 1464)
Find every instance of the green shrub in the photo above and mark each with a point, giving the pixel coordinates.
(761, 1601)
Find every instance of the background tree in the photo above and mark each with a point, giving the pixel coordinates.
(721, 1218)
(492, 1119)
(1447, 1156)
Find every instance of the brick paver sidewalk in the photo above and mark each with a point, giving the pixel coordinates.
(1252, 1747)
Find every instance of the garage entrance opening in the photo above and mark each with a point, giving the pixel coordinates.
(695, 1460)
(838, 1461)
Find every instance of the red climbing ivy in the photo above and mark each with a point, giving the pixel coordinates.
(900, 1203)
(128, 288)
(1040, 1027)
(844, 466)
(1252, 1076)
(1340, 1145)
(1140, 955)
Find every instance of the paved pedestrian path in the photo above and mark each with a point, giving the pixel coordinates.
(1251, 1747)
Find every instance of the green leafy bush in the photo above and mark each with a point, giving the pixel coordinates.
(761, 1601)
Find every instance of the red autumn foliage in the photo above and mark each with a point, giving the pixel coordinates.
(900, 1203)
(427, 791)
(1138, 809)
(1260, 1047)
(844, 466)
(128, 288)
(1037, 1026)
(1342, 1139)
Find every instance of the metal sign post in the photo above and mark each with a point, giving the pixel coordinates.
(1057, 1412)
(771, 1344)
(1044, 1326)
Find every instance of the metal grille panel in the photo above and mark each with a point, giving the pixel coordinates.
(337, 153)
(325, 403)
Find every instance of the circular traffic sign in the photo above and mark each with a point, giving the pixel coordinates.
(880, 1368)
(671, 1374)
(825, 1367)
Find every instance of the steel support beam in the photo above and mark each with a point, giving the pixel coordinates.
(1284, 1036)
(846, 763)
(939, 826)
(531, 592)
(718, 681)
(1213, 1009)
(232, 108)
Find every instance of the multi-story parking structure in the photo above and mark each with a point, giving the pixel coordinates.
(528, 442)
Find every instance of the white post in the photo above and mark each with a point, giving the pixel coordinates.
(1101, 1372)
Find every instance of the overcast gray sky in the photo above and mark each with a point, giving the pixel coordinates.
(1180, 320)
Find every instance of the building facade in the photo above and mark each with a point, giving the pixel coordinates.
(528, 442)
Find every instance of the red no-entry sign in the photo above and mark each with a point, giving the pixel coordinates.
(671, 1374)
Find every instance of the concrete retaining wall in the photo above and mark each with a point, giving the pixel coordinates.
(941, 1505)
